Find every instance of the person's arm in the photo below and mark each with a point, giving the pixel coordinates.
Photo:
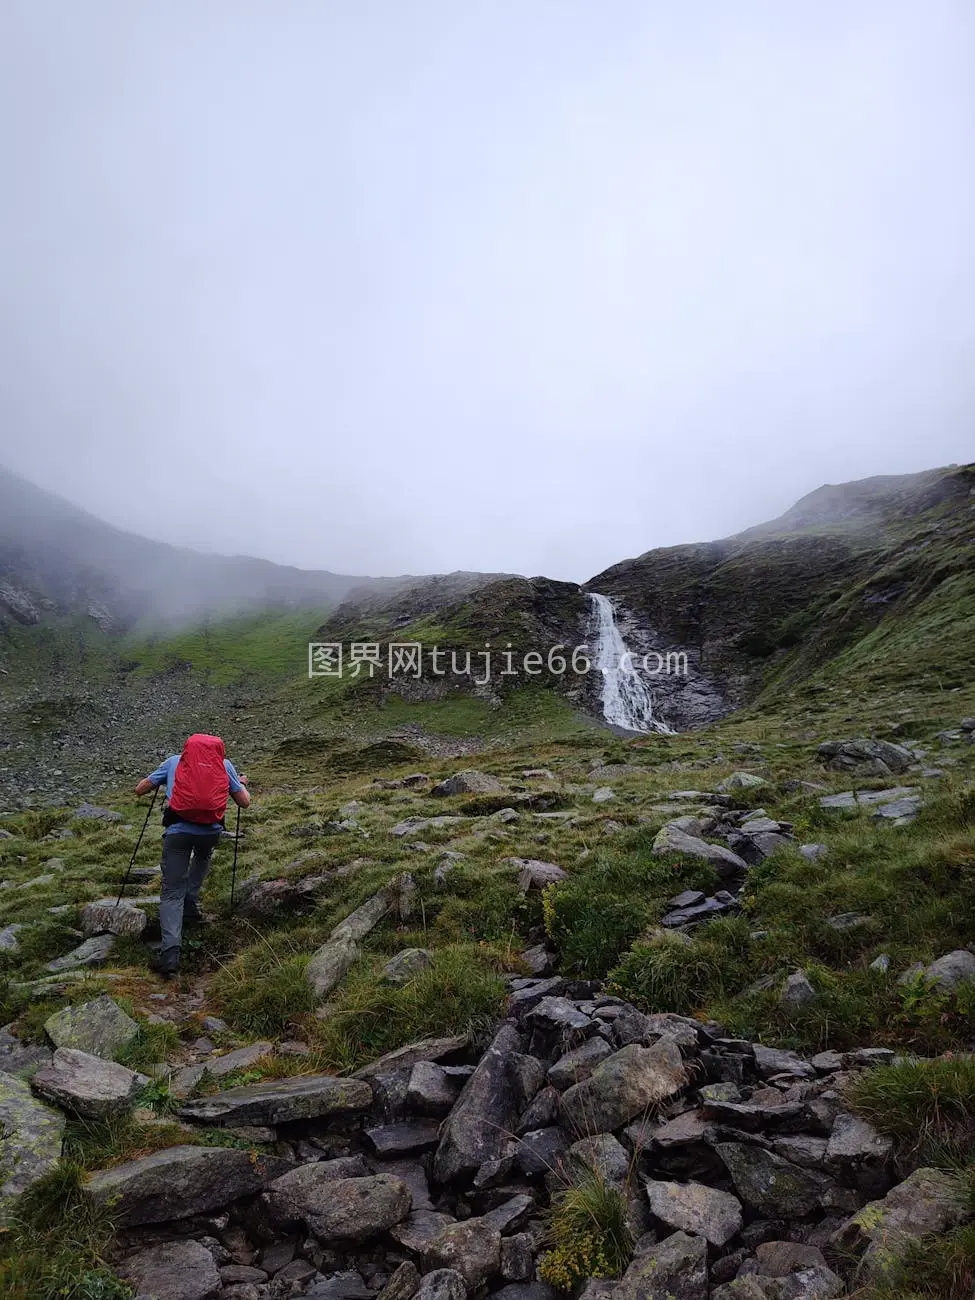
(238, 791)
(153, 780)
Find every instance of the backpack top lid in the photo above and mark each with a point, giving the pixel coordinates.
(201, 785)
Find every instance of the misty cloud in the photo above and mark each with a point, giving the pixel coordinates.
(419, 286)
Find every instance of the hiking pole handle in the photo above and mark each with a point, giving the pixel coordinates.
(128, 869)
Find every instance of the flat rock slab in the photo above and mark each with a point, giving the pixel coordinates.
(22, 1060)
(471, 782)
(417, 1231)
(693, 1207)
(400, 1139)
(240, 1059)
(100, 1027)
(404, 1058)
(91, 812)
(86, 1085)
(676, 1269)
(279, 1101)
(179, 1182)
(93, 952)
(31, 1145)
(177, 1270)
(414, 825)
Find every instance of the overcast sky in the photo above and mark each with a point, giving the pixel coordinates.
(391, 286)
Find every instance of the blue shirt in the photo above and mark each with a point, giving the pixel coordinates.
(165, 774)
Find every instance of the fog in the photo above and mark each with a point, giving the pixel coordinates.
(413, 285)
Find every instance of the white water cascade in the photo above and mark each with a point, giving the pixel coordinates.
(627, 701)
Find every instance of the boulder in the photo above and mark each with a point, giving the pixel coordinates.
(675, 1269)
(627, 1083)
(797, 992)
(952, 969)
(769, 1184)
(8, 937)
(91, 812)
(179, 1182)
(928, 1202)
(176, 1270)
(402, 1138)
(740, 781)
(693, 1207)
(471, 1248)
(31, 1145)
(281, 1101)
(341, 1209)
(100, 1027)
(86, 1085)
(106, 916)
(404, 1058)
(670, 839)
(870, 757)
(403, 1284)
(470, 782)
(780, 1258)
(242, 1058)
(579, 1063)
(406, 964)
(419, 1228)
(476, 1129)
(533, 874)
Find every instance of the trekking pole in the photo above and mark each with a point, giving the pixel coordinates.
(125, 880)
(233, 878)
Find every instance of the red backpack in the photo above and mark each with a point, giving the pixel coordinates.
(201, 786)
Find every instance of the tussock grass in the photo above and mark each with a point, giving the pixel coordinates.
(928, 1106)
(263, 990)
(587, 1234)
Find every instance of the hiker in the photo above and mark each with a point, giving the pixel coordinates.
(198, 782)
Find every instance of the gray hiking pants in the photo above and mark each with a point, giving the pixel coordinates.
(185, 863)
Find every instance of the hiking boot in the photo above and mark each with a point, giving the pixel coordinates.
(192, 916)
(167, 963)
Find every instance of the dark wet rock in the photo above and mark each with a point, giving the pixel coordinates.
(692, 915)
(512, 1214)
(621, 1087)
(99, 1027)
(541, 1152)
(542, 1110)
(675, 1269)
(403, 1284)
(175, 1270)
(471, 1248)
(339, 1209)
(477, 1127)
(442, 1284)
(280, 1101)
(696, 1208)
(752, 1117)
(517, 1257)
(86, 1085)
(768, 1183)
(179, 1182)
(556, 1025)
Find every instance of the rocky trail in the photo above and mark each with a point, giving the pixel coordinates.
(447, 1167)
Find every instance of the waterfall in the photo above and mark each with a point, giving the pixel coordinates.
(627, 701)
